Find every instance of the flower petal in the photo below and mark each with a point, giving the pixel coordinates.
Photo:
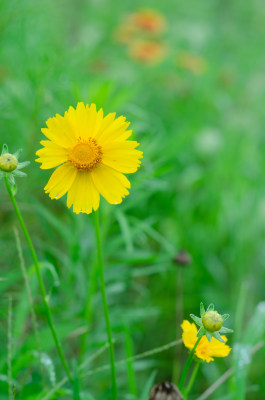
(189, 334)
(112, 185)
(51, 155)
(122, 156)
(83, 195)
(113, 129)
(61, 181)
(61, 131)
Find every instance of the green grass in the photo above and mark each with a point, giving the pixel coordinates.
(200, 188)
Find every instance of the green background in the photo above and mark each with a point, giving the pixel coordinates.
(200, 188)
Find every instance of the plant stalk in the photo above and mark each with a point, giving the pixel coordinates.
(187, 366)
(40, 280)
(105, 305)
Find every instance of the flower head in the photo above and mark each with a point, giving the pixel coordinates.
(91, 153)
(205, 350)
(10, 166)
(147, 51)
(148, 20)
(165, 391)
(211, 323)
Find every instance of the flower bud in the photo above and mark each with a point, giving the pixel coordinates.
(8, 162)
(212, 321)
(165, 391)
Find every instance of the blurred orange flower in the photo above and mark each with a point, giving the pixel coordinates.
(195, 64)
(147, 51)
(140, 23)
(149, 20)
(205, 350)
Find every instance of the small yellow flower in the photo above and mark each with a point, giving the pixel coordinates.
(91, 153)
(205, 350)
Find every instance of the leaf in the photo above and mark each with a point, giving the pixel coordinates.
(210, 307)
(197, 320)
(23, 164)
(209, 336)
(201, 332)
(202, 310)
(242, 358)
(17, 153)
(225, 317)
(4, 149)
(256, 327)
(217, 336)
(148, 386)
(226, 330)
(20, 174)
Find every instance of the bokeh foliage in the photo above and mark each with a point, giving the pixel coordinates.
(200, 188)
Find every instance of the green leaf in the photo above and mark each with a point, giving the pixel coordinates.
(226, 330)
(197, 320)
(209, 336)
(17, 153)
(20, 174)
(210, 307)
(148, 386)
(202, 310)
(255, 329)
(4, 149)
(242, 358)
(23, 164)
(217, 336)
(201, 332)
(225, 317)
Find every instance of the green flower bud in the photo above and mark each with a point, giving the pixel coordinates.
(212, 321)
(8, 162)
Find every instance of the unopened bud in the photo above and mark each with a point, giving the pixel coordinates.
(183, 258)
(212, 321)
(165, 391)
(8, 162)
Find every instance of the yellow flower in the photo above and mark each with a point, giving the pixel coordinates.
(91, 153)
(205, 350)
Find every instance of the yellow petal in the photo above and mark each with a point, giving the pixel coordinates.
(61, 131)
(51, 155)
(112, 185)
(113, 129)
(61, 181)
(189, 334)
(122, 156)
(83, 195)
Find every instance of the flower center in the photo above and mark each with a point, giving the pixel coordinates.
(86, 155)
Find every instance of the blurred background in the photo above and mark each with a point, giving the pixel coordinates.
(190, 78)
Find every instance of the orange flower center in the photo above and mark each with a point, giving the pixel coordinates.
(86, 155)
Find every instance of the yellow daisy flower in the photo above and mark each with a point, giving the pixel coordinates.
(205, 350)
(91, 153)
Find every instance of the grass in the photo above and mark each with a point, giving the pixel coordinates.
(200, 188)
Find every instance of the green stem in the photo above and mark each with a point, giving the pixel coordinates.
(187, 366)
(105, 305)
(192, 379)
(40, 280)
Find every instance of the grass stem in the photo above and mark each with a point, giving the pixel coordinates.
(105, 305)
(40, 280)
(187, 366)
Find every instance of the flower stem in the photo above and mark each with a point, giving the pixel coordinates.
(105, 305)
(187, 366)
(192, 379)
(40, 280)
